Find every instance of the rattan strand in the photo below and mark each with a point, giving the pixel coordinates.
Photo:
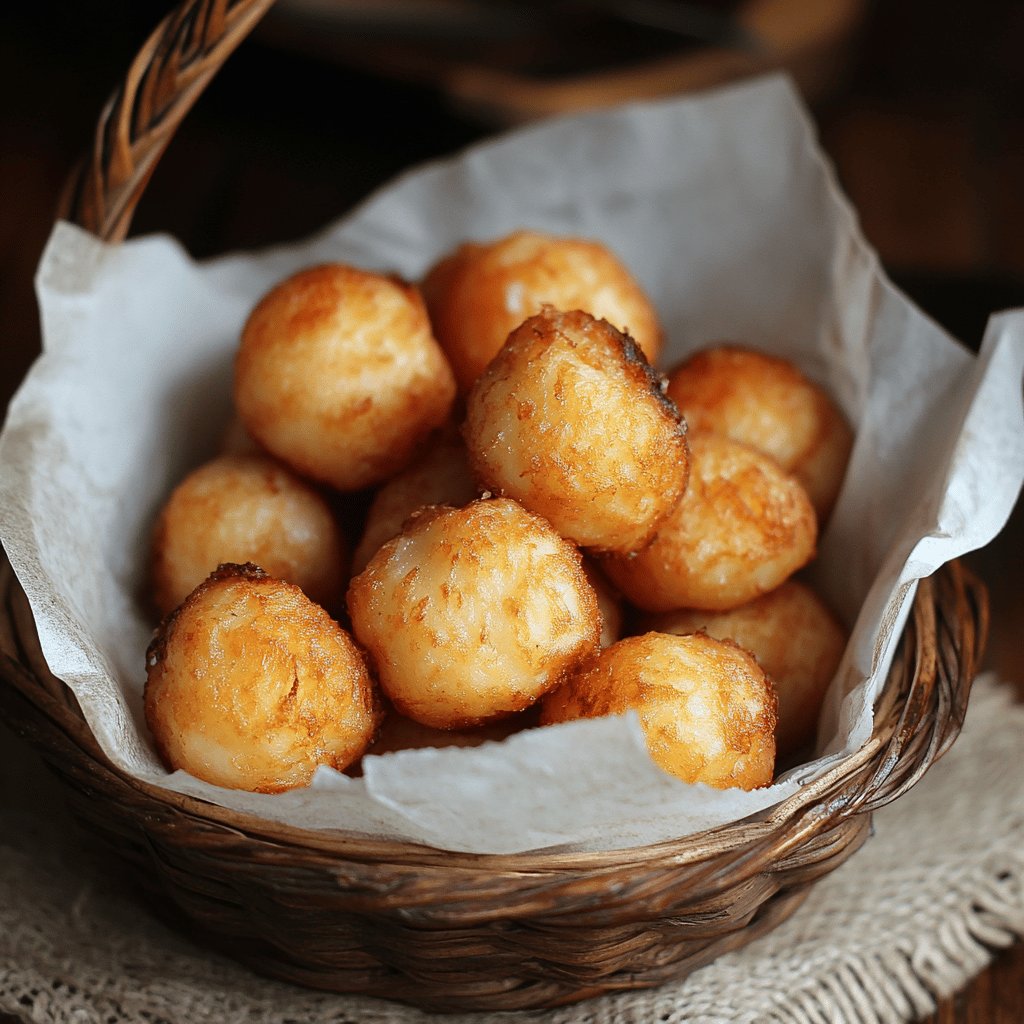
(441, 930)
(167, 76)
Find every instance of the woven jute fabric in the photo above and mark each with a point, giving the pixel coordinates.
(912, 916)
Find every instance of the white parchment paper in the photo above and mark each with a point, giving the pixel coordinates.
(726, 212)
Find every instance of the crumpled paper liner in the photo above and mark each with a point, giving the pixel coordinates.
(725, 210)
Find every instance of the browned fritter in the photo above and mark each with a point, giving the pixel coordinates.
(250, 685)
(338, 375)
(247, 509)
(796, 640)
(471, 614)
(766, 402)
(742, 528)
(478, 294)
(707, 709)
(570, 420)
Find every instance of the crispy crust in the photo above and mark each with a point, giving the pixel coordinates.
(247, 507)
(768, 627)
(707, 709)
(571, 420)
(438, 475)
(338, 375)
(471, 614)
(742, 528)
(480, 292)
(250, 685)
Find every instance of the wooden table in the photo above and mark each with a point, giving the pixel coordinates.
(926, 135)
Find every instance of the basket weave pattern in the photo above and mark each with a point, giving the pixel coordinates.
(442, 930)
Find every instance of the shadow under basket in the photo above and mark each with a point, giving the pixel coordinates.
(449, 931)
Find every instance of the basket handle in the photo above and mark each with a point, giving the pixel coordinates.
(164, 80)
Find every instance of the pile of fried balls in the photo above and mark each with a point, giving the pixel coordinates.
(449, 511)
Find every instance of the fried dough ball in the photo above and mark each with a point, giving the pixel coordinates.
(478, 294)
(250, 685)
(440, 475)
(339, 375)
(246, 509)
(796, 640)
(706, 707)
(570, 420)
(471, 614)
(742, 528)
(766, 402)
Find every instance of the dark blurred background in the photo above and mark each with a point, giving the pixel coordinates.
(919, 103)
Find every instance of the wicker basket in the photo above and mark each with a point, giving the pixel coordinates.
(449, 931)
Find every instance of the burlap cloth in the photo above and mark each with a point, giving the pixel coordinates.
(910, 917)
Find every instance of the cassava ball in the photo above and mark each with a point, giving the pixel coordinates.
(766, 402)
(742, 528)
(438, 475)
(471, 614)
(796, 640)
(339, 376)
(706, 708)
(483, 290)
(570, 420)
(247, 508)
(250, 685)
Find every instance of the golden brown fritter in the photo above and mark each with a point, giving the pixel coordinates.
(250, 685)
(742, 528)
(796, 640)
(570, 420)
(247, 509)
(471, 614)
(478, 294)
(706, 708)
(338, 375)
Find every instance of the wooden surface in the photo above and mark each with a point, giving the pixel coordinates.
(927, 133)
